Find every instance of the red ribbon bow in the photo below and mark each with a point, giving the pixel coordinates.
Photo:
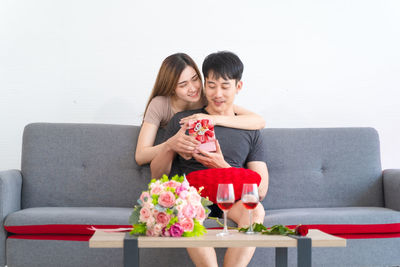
(202, 130)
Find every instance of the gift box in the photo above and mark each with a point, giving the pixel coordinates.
(203, 131)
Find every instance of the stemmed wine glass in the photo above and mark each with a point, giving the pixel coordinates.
(225, 200)
(250, 201)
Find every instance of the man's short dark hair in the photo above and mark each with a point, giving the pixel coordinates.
(223, 64)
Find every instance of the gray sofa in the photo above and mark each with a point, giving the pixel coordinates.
(85, 174)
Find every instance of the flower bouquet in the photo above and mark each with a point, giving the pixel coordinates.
(170, 208)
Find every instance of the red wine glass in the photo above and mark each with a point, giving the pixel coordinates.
(250, 202)
(225, 200)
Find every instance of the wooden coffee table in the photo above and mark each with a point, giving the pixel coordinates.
(132, 244)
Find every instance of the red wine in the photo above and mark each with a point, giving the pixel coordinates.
(225, 205)
(250, 205)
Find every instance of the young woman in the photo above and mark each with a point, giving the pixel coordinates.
(178, 87)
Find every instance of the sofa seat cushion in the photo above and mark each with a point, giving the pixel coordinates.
(66, 220)
(347, 222)
(343, 215)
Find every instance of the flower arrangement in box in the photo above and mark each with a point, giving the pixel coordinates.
(170, 208)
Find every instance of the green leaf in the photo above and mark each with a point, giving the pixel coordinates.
(258, 227)
(178, 178)
(151, 182)
(244, 229)
(198, 229)
(172, 222)
(282, 230)
(139, 229)
(171, 189)
(155, 199)
(134, 218)
(278, 230)
(205, 202)
(164, 178)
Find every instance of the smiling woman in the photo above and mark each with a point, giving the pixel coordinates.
(178, 87)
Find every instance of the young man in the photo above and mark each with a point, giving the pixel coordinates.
(235, 148)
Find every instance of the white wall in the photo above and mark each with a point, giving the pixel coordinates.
(307, 63)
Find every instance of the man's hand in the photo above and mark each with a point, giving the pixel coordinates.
(196, 117)
(182, 143)
(211, 160)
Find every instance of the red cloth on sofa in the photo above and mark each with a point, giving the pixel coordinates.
(358, 231)
(60, 229)
(84, 238)
(83, 232)
(210, 178)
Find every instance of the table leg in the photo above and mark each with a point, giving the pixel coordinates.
(281, 257)
(303, 251)
(131, 251)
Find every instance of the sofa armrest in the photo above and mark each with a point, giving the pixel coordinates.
(391, 188)
(10, 201)
(10, 192)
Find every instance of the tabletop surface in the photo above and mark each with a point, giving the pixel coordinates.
(105, 239)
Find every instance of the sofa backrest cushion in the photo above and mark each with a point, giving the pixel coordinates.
(77, 165)
(93, 165)
(323, 167)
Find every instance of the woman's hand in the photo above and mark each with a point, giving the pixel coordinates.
(211, 160)
(198, 116)
(182, 143)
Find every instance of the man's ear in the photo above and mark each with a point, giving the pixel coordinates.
(239, 86)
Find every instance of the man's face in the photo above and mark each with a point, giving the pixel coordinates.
(220, 94)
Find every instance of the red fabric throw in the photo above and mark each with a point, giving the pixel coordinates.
(53, 237)
(355, 228)
(81, 232)
(367, 236)
(210, 178)
(357, 231)
(60, 229)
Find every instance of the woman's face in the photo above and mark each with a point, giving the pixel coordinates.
(189, 85)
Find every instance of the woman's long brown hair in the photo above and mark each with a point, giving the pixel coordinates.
(169, 73)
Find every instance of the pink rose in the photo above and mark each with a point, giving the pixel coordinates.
(176, 230)
(172, 183)
(189, 211)
(183, 194)
(145, 214)
(150, 232)
(157, 229)
(165, 232)
(187, 224)
(166, 199)
(194, 198)
(150, 222)
(185, 184)
(156, 190)
(200, 213)
(183, 187)
(148, 205)
(145, 197)
(162, 218)
(179, 189)
(155, 213)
